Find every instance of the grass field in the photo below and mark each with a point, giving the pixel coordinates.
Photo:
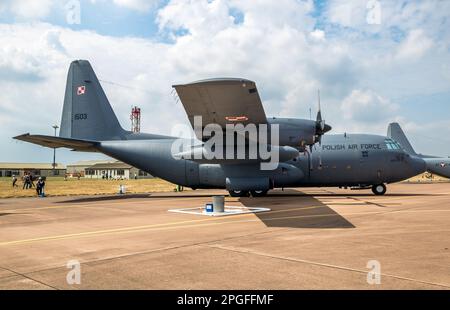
(58, 187)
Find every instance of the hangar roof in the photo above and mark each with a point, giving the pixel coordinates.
(25, 166)
(89, 163)
(113, 165)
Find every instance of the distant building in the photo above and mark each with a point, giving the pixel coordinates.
(79, 168)
(99, 169)
(114, 170)
(36, 169)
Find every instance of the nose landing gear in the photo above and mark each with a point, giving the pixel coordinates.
(379, 189)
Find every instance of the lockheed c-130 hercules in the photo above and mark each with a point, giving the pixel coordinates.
(307, 157)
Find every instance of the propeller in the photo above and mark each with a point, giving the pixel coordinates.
(321, 126)
(321, 129)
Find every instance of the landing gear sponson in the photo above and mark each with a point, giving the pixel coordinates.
(379, 190)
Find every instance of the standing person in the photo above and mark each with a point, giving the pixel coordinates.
(14, 181)
(40, 187)
(31, 181)
(25, 181)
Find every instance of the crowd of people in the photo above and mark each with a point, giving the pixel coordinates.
(28, 183)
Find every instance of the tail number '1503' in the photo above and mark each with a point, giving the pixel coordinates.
(80, 116)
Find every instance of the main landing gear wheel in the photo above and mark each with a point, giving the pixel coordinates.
(235, 193)
(258, 193)
(379, 189)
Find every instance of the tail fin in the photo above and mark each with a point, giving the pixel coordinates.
(87, 113)
(395, 132)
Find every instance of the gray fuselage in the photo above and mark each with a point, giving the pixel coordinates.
(341, 160)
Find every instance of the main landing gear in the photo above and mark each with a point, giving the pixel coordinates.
(235, 193)
(260, 193)
(379, 189)
(255, 193)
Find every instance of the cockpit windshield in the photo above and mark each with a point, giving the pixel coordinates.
(392, 145)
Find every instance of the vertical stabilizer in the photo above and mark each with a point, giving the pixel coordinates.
(87, 113)
(396, 133)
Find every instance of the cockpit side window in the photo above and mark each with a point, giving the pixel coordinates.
(392, 145)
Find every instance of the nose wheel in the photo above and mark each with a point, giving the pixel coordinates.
(379, 189)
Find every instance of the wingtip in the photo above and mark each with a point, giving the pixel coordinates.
(21, 136)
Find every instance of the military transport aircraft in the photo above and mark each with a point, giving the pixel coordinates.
(307, 157)
(437, 165)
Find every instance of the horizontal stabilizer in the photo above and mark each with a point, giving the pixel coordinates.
(57, 142)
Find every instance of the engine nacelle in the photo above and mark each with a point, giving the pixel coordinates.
(203, 155)
(297, 132)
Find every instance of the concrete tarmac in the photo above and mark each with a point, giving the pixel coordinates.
(318, 238)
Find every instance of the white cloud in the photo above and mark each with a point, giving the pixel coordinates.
(318, 35)
(199, 17)
(414, 46)
(347, 13)
(29, 9)
(366, 106)
(139, 5)
(275, 43)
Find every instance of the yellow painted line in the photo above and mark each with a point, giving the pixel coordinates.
(92, 204)
(100, 205)
(194, 223)
(106, 231)
(145, 227)
(158, 227)
(53, 207)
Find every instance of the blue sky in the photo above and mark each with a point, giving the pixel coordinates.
(370, 73)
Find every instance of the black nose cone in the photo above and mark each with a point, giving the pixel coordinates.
(327, 128)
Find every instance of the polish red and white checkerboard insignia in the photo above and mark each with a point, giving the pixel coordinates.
(81, 90)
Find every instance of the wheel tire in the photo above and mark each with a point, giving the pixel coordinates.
(379, 189)
(258, 193)
(235, 193)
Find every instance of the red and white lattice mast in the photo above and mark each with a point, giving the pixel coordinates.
(136, 119)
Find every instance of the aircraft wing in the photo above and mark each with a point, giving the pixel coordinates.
(222, 101)
(57, 142)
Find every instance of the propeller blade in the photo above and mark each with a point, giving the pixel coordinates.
(321, 126)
